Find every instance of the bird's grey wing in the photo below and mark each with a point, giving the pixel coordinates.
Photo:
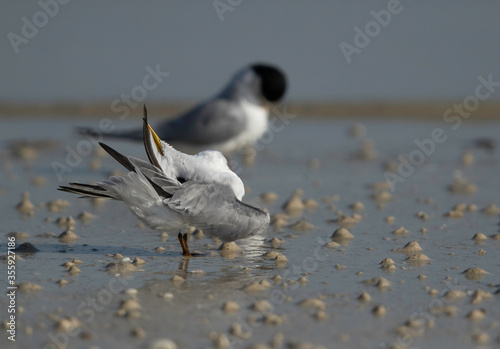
(156, 176)
(215, 209)
(212, 122)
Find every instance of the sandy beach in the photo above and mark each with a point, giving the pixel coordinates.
(390, 239)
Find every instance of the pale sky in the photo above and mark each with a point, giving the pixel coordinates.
(86, 51)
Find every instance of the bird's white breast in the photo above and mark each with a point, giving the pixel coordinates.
(256, 124)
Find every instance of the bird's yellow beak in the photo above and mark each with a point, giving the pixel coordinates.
(157, 140)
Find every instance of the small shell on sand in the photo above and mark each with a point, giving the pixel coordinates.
(219, 340)
(321, 315)
(230, 307)
(278, 223)
(163, 344)
(29, 287)
(476, 315)
(257, 286)
(382, 197)
(418, 259)
(314, 303)
(453, 295)
(159, 249)
(422, 277)
(74, 270)
(310, 204)
(479, 295)
(346, 221)
(269, 197)
(62, 282)
(138, 332)
(341, 235)
(400, 231)
(423, 216)
(380, 282)
(66, 222)
(467, 158)
(120, 268)
(237, 331)
(303, 280)
(462, 186)
(481, 252)
(411, 247)
(474, 273)
(388, 264)
(164, 236)
(117, 256)
(294, 204)
(479, 237)
(481, 337)
(85, 216)
(26, 207)
(68, 236)
(367, 150)
(229, 249)
(38, 181)
(198, 234)
(454, 214)
(390, 220)
(176, 279)
(491, 210)
(96, 202)
(262, 306)
(273, 319)
(332, 244)
(364, 297)
(357, 206)
(138, 261)
(379, 311)
(67, 324)
(275, 242)
(302, 226)
(18, 235)
(448, 310)
(57, 205)
(278, 258)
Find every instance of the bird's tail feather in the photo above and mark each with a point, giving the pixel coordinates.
(134, 134)
(87, 190)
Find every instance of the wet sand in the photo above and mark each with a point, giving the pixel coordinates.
(297, 285)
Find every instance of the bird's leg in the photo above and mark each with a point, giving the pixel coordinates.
(184, 245)
(185, 251)
(185, 238)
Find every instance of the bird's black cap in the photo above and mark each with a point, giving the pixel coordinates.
(273, 81)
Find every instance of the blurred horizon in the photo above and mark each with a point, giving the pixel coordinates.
(93, 52)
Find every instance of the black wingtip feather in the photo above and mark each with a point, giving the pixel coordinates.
(122, 159)
(147, 140)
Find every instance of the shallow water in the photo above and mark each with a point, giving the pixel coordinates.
(94, 295)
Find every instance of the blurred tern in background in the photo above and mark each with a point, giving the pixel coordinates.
(234, 119)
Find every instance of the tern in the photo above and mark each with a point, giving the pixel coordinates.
(234, 119)
(174, 191)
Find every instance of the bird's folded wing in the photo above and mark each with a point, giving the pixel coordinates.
(209, 123)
